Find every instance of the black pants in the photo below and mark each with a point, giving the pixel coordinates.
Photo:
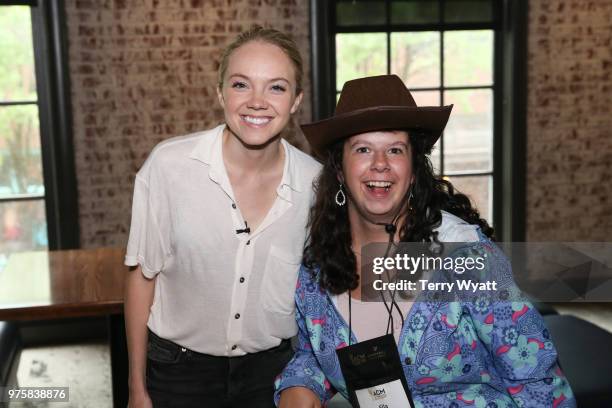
(181, 378)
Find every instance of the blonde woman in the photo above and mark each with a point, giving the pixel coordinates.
(218, 228)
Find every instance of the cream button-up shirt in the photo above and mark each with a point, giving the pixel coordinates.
(218, 291)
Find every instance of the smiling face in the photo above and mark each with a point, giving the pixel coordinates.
(377, 171)
(259, 93)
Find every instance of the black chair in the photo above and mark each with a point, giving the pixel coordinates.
(338, 402)
(585, 354)
(544, 308)
(10, 350)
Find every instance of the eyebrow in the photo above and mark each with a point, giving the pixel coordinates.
(355, 142)
(269, 80)
(368, 143)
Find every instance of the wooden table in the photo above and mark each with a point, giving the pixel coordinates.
(46, 285)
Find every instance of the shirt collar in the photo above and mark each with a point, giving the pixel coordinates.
(209, 151)
(291, 171)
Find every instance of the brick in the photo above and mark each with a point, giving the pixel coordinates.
(569, 149)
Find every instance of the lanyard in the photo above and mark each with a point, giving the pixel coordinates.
(390, 307)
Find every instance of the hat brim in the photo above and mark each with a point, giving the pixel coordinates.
(323, 133)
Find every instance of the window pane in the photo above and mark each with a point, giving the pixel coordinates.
(430, 98)
(415, 57)
(468, 57)
(479, 191)
(20, 153)
(468, 11)
(34, 288)
(360, 55)
(353, 12)
(16, 55)
(426, 98)
(414, 11)
(468, 138)
(23, 227)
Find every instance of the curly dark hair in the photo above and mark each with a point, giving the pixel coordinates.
(329, 243)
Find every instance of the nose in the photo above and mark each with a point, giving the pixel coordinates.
(380, 161)
(257, 101)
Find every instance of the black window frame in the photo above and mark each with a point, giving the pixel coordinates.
(509, 101)
(50, 44)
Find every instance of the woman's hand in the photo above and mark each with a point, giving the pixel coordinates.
(140, 400)
(299, 397)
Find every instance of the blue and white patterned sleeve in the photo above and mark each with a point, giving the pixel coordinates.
(518, 341)
(303, 370)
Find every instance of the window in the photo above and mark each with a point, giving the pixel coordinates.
(446, 52)
(37, 185)
(22, 190)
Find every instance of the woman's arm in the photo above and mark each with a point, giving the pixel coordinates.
(139, 293)
(521, 347)
(303, 377)
(299, 397)
(526, 361)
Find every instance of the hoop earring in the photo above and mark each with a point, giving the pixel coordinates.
(340, 197)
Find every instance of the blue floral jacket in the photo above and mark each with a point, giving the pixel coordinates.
(479, 354)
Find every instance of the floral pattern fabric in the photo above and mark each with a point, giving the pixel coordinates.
(482, 353)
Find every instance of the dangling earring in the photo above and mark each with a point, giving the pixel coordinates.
(340, 197)
(410, 199)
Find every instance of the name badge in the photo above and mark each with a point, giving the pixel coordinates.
(388, 395)
(373, 374)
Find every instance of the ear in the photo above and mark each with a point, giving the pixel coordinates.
(340, 177)
(296, 103)
(220, 97)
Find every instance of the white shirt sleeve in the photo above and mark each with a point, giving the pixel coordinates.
(147, 244)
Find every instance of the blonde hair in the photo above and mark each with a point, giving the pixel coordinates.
(267, 35)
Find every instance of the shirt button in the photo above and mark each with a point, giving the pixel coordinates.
(249, 242)
(408, 361)
(237, 316)
(234, 347)
(242, 280)
(234, 206)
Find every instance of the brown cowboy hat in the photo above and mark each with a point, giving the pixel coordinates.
(375, 103)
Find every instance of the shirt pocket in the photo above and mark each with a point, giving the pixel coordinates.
(280, 278)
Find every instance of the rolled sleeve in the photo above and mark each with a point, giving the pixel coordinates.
(147, 244)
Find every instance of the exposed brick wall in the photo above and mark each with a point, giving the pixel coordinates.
(145, 70)
(569, 171)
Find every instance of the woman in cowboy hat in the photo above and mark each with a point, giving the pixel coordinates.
(378, 185)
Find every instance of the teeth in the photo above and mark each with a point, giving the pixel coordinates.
(255, 120)
(382, 184)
